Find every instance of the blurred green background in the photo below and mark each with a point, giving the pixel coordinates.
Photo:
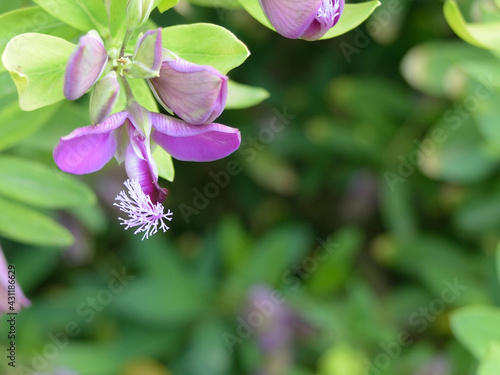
(365, 195)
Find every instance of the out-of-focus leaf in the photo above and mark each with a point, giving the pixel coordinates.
(439, 264)
(37, 63)
(271, 256)
(233, 242)
(206, 44)
(334, 257)
(16, 125)
(35, 184)
(28, 226)
(243, 96)
(485, 35)
(165, 280)
(477, 327)
(83, 15)
(397, 208)
(434, 67)
(342, 360)
(452, 151)
(166, 5)
(491, 362)
(230, 4)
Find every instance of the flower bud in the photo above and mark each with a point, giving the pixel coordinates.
(306, 19)
(138, 12)
(104, 97)
(195, 93)
(85, 65)
(146, 61)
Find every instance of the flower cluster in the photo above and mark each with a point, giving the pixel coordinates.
(196, 94)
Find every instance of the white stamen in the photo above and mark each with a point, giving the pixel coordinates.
(141, 211)
(328, 10)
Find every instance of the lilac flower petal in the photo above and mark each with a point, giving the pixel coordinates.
(88, 149)
(147, 57)
(85, 66)
(142, 167)
(328, 15)
(291, 18)
(194, 142)
(195, 93)
(21, 300)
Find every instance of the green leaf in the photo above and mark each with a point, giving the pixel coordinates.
(491, 363)
(142, 93)
(16, 125)
(484, 35)
(206, 44)
(353, 16)
(33, 20)
(164, 163)
(35, 184)
(476, 327)
(25, 225)
(166, 5)
(83, 15)
(36, 63)
(243, 96)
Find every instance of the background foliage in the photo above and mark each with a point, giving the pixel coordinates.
(388, 155)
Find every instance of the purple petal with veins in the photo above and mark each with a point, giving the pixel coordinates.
(194, 142)
(307, 19)
(90, 148)
(20, 298)
(140, 166)
(195, 93)
(84, 66)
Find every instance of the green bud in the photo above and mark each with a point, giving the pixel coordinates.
(104, 97)
(147, 58)
(138, 12)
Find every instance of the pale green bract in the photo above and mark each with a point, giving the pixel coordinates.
(37, 63)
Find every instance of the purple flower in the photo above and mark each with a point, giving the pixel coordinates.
(85, 65)
(306, 19)
(129, 137)
(195, 93)
(5, 293)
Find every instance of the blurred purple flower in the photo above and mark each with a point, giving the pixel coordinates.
(280, 325)
(195, 93)
(306, 19)
(85, 65)
(20, 299)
